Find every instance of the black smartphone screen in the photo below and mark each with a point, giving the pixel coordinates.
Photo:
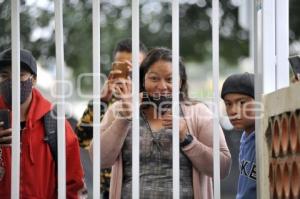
(295, 63)
(4, 117)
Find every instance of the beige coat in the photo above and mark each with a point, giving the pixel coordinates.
(200, 123)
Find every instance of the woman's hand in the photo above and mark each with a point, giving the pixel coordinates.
(123, 91)
(167, 123)
(107, 91)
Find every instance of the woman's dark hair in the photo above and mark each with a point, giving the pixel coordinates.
(157, 54)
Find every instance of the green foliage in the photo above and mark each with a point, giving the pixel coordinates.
(155, 30)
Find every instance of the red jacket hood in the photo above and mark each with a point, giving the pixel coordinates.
(34, 113)
(38, 177)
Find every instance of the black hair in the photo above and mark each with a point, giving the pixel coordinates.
(165, 54)
(125, 45)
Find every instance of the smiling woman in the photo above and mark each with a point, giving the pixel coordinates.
(195, 130)
(156, 69)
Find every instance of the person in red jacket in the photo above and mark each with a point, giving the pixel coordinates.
(38, 178)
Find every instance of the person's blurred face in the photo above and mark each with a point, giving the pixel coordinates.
(240, 110)
(158, 79)
(6, 74)
(123, 56)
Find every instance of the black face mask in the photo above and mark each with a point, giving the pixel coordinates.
(6, 92)
(162, 103)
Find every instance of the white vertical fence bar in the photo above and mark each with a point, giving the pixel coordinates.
(268, 39)
(261, 154)
(96, 99)
(215, 61)
(175, 97)
(251, 32)
(135, 101)
(282, 43)
(61, 140)
(15, 37)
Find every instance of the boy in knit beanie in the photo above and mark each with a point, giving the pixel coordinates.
(238, 95)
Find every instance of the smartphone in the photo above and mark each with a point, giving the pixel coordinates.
(123, 67)
(5, 118)
(295, 63)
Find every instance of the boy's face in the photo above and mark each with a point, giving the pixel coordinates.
(240, 110)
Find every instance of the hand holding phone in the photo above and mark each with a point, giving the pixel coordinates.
(122, 70)
(5, 130)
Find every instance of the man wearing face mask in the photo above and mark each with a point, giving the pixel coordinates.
(38, 178)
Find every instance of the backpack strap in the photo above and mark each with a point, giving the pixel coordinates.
(50, 124)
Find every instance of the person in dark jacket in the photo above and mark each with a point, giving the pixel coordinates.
(238, 95)
(38, 177)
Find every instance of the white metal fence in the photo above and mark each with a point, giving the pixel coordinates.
(268, 58)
